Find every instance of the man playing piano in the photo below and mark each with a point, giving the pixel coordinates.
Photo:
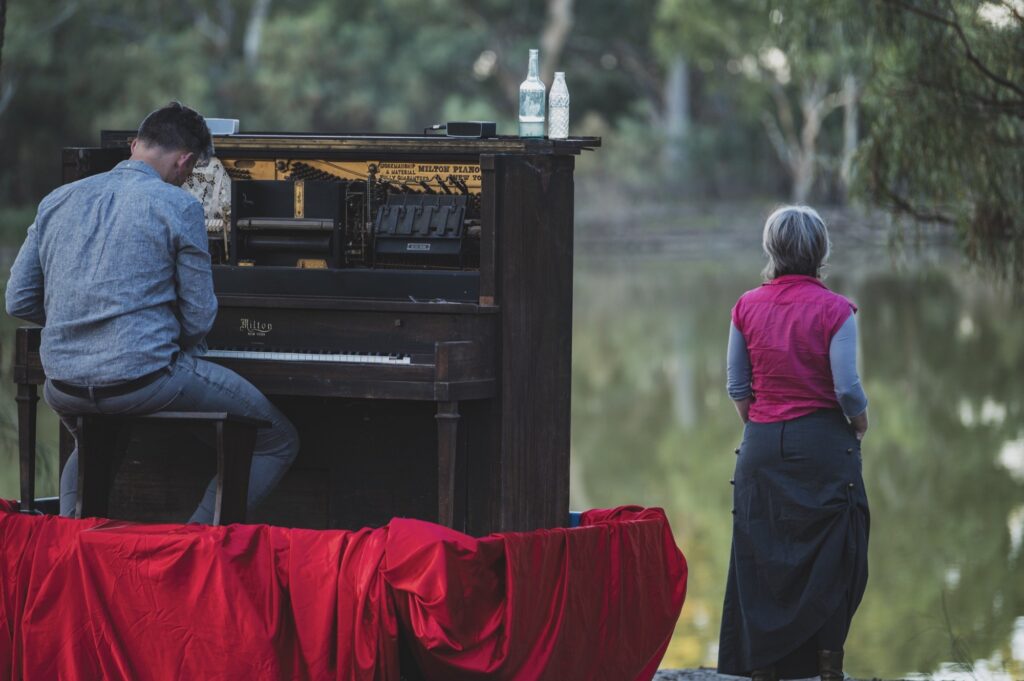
(117, 271)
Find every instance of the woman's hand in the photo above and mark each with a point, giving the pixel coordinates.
(860, 424)
(743, 408)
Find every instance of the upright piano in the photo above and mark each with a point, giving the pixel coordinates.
(406, 300)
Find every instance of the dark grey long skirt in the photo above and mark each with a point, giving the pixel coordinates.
(799, 561)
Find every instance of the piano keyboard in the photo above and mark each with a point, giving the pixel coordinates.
(340, 357)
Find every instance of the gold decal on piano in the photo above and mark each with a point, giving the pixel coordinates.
(254, 328)
(300, 198)
(406, 172)
(410, 173)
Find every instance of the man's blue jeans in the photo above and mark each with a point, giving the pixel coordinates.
(191, 384)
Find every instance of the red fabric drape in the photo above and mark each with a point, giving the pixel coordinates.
(92, 599)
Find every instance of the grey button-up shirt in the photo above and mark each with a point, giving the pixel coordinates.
(117, 269)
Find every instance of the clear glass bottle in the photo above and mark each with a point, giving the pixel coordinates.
(531, 100)
(558, 108)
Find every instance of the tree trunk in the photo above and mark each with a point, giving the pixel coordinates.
(677, 112)
(850, 97)
(805, 166)
(254, 32)
(554, 37)
(798, 150)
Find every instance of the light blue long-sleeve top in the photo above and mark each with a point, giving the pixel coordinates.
(116, 268)
(842, 353)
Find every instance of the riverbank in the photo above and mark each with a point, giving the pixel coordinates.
(699, 674)
(703, 674)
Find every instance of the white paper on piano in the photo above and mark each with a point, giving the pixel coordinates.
(211, 184)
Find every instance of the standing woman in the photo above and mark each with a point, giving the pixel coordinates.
(800, 519)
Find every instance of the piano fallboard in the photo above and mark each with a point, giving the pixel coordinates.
(366, 284)
(285, 323)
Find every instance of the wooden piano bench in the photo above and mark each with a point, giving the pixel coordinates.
(103, 440)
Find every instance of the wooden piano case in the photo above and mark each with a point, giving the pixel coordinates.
(473, 430)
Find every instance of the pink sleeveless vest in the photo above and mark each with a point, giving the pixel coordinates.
(788, 324)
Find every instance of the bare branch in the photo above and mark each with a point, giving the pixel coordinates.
(832, 101)
(1011, 107)
(785, 114)
(903, 205)
(782, 150)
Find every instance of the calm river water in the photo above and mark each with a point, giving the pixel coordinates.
(942, 359)
(942, 356)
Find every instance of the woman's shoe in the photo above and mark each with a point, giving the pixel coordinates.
(766, 674)
(830, 665)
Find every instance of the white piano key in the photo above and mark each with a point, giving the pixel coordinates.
(336, 357)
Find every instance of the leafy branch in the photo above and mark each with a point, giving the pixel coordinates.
(958, 29)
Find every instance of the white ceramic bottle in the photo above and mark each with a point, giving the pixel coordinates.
(558, 108)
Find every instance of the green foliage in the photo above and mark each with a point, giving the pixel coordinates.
(393, 66)
(942, 111)
(937, 85)
(947, 143)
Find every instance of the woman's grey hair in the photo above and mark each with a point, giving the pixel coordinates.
(796, 242)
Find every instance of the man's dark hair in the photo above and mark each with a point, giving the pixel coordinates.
(176, 126)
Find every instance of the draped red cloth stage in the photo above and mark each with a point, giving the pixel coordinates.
(99, 599)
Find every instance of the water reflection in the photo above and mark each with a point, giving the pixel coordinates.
(941, 360)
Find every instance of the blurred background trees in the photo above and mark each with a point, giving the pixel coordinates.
(913, 105)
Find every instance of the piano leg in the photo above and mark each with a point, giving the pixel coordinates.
(27, 397)
(447, 429)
